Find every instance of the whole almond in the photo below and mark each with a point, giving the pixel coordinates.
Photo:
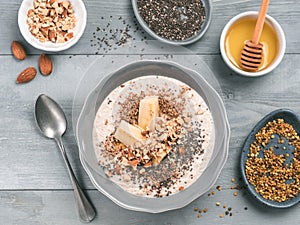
(18, 50)
(45, 65)
(26, 75)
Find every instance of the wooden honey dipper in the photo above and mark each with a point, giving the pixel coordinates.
(251, 57)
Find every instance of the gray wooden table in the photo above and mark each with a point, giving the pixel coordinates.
(34, 184)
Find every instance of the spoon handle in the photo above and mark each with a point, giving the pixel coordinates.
(85, 209)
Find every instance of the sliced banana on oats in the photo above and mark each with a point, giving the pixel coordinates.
(129, 134)
(148, 109)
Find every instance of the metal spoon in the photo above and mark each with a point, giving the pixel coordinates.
(53, 124)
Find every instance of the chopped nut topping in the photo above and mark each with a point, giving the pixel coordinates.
(51, 20)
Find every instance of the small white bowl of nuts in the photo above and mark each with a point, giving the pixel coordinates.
(52, 25)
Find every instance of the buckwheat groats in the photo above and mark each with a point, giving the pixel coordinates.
(274, 170)
(153, 136)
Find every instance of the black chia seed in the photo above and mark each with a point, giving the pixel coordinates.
(173, 19)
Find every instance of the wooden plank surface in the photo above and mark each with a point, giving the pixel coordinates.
(33, 179)
(106, 15)
(34, 184)
(29, 158)
(57, 208)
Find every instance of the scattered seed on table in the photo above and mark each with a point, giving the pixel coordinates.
(224, 206)
(205, 210)
(235, 193)
(218, 203)
(199, 215)
(219, 188)
(108, 38)
(213, 192)
(232, 180)
(195, 209)
(221, 215)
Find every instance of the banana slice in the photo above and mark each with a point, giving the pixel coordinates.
(148, 109)
(129, 134)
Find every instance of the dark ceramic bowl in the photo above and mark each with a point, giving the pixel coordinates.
(208, 15)
(290, 117)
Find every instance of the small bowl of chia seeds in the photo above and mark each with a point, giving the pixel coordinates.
(177, 22)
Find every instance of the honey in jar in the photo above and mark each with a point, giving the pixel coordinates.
(241, 31)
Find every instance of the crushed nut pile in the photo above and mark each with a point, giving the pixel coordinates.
(51, 20)
(157, 146)
(274, 170)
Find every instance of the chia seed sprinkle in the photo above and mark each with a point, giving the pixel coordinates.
(173, 19)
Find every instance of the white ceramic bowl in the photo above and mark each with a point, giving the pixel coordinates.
(80, 14)
(281, 38)
(208, 14)
(133, 70)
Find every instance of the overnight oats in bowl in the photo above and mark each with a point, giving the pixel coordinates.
(153, 136)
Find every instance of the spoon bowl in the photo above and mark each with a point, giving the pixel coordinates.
(50, 117)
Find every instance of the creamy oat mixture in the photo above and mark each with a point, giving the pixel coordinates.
(157, 156)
